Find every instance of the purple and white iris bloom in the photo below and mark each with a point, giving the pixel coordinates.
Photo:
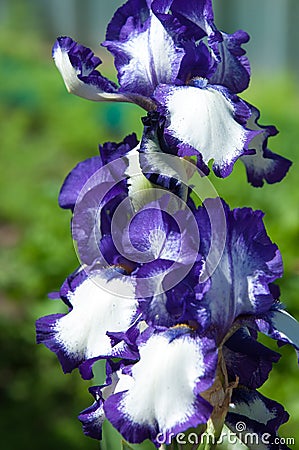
(240, 290)
(171, 296)
(161, 405)
(189, 328)
(143, 270)
(163, 63)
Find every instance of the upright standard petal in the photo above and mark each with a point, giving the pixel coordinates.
(197, 62)
(233, 70)
(181, 366)
(264, 165)
(199, 12)
(100, 303)
(208, 120)
(242, 275)
(145, 53)
(76, 180)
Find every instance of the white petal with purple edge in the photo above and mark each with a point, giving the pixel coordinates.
(204, 119)
(78, 87)
(96, 310)
(164, 391)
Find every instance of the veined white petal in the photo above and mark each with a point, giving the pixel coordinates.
(164, 382)
(204, 119)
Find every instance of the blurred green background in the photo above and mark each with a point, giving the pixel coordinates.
(44, 133)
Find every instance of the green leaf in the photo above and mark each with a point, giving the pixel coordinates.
(146, 445)
(111, 437)
(125, 446)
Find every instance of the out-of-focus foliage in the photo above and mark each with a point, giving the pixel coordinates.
(44, 133)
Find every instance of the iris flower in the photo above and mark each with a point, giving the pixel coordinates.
(171, 293)
(171, 57)
(140, 297)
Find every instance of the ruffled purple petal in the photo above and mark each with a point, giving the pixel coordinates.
(164, 306)
(208, 119)
(233, 68)
(261, 416)
(77, 65)
(75, 181)
(161, 229)
(85, 170)
(174, 25)
(94, 192)
(96, 203)
(264, 165)
(248, 359)
(242, 273)
(198, 12)
(155, 233)
(110, 151)
(152, 296)
(145, 53)
(101, 303)
(92, 418)
(162, 403)
(92, 217)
